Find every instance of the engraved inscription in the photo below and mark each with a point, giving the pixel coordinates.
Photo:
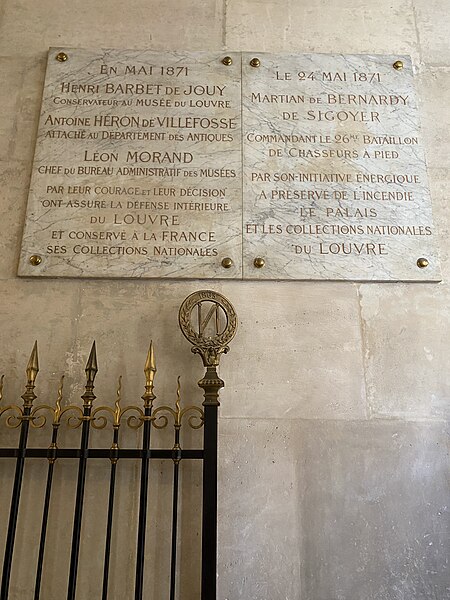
(164, 164)
(137, 167)
(335, 181)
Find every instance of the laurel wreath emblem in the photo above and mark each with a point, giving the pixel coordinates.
(212, 347)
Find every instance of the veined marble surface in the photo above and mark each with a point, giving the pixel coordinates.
(137, 166)
(335, 182)
(141, 169)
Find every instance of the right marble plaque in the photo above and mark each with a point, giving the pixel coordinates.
(334, 174)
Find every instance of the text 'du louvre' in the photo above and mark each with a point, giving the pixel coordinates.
(232, 165)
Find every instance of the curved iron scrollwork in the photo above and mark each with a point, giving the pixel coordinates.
(178, 413)
(158, 419)
(100, 421)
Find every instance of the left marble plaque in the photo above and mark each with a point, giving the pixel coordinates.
(137, 167)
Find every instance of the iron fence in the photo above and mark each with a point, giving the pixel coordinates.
(209, 334)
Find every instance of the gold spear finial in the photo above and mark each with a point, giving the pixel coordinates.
(91, 365)
(33, 364)
(91, 371)
(150, 366)
(32, 370)
(149, 371)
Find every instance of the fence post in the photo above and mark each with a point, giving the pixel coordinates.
(211, 384)
(208, 320)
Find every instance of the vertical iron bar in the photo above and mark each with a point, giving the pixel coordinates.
(78, 514)
(211, 384)
(28, 398)
(14, 506)
(114, 457)
(48, 490)
(148, 398)
(112, 486)
(209, 524)
(143, 508)
(88, 398)
(176, 468)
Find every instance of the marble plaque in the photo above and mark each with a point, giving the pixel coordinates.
(164, 164)
(335, 183)
(137, 170)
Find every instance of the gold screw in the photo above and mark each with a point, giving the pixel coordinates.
(259, 263)
(422, 263)
(398, 65)
(35, 260)
(227, 61)
(62, 57)
(255, 62)
(227, 263)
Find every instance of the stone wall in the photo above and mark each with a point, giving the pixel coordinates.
(334, 420)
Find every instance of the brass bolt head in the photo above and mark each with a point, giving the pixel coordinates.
(227, 61)
(227, 263)
(35, 260)
(422, 263)
(62, 57)
(398, 65)
(255, 62)
(259, 262)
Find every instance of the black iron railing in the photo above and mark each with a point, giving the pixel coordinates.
(209, 331)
